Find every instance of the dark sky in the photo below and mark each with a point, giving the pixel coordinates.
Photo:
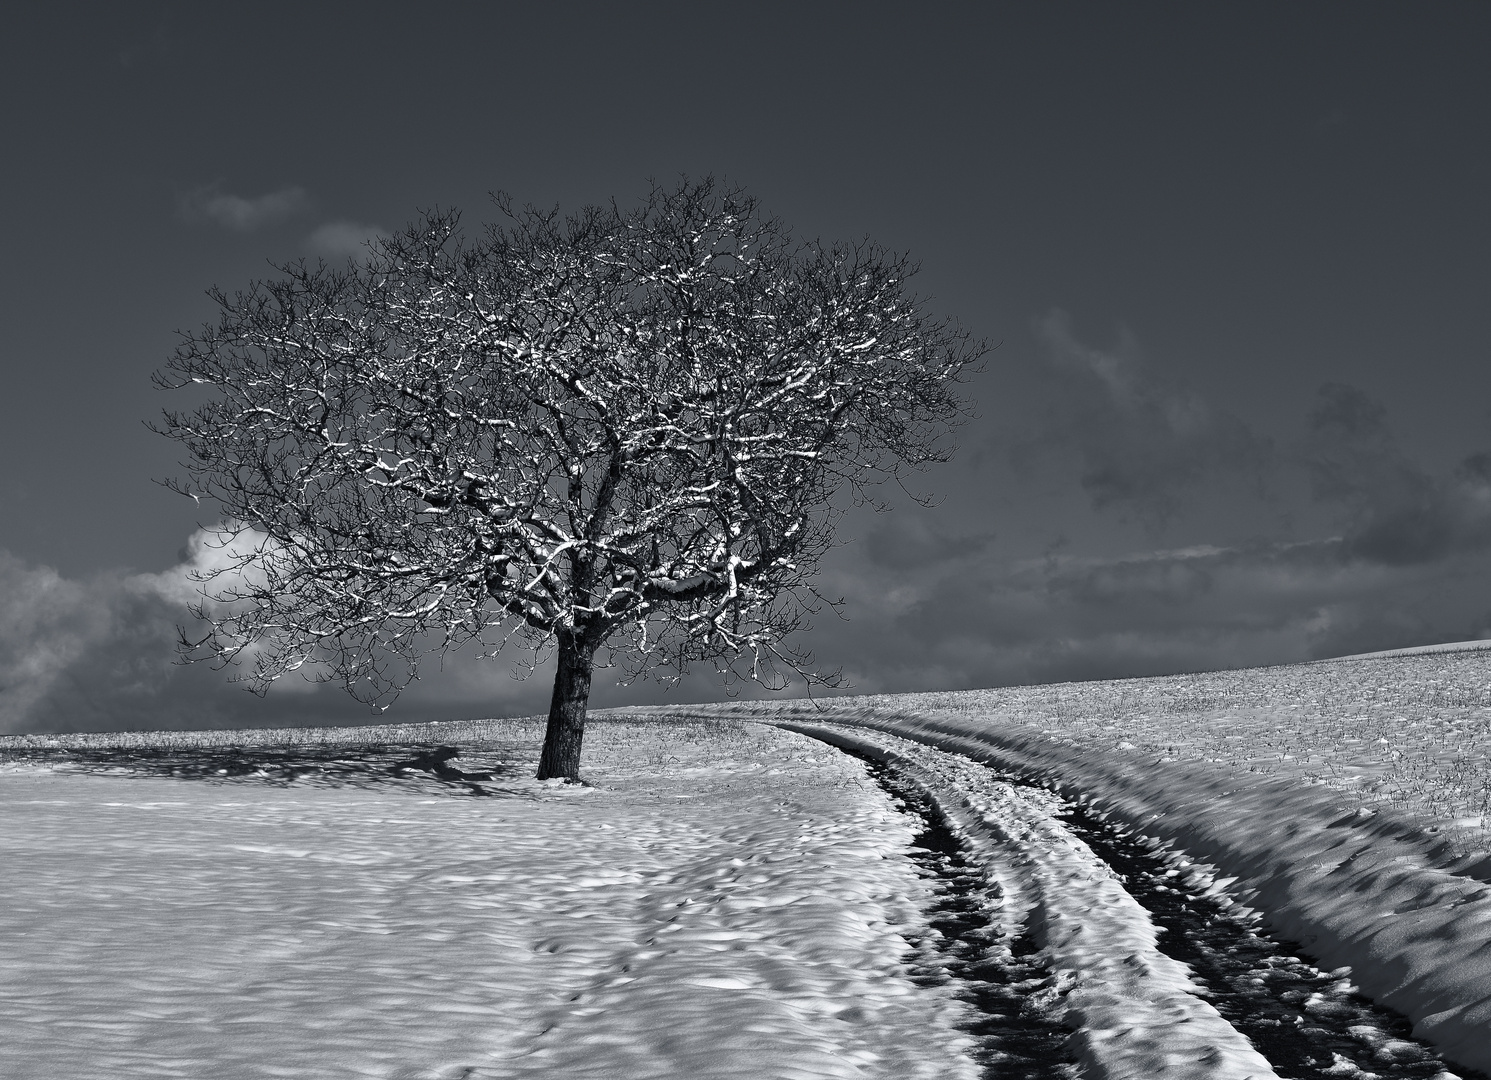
(1236, 258)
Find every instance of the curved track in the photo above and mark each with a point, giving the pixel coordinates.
(1017, 935)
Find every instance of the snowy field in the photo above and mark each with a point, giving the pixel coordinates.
(732, 899)
(725, 902)
(1407, 730)
(1346, 802)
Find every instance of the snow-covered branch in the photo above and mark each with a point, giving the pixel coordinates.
(626, 429)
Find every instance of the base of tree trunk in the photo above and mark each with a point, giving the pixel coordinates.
(565, 735)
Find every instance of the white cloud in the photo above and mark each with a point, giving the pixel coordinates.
(67, 639)
(243, 214)
(41, 633)
(342, 239)
(99, 654)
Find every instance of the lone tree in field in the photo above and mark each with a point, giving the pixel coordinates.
(620, 433)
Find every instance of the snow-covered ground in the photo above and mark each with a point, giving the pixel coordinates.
(725, 902)
(1408, 731)
(1136, 1012)
(1345, 801)
(733, 899)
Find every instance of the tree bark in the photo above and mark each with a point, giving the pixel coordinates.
(566, 731)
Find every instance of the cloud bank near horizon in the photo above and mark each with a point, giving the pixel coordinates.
(1239, 552)
(99, 654)
(927, 612)
(974, 622)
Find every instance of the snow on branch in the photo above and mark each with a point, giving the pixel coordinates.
(627, 426)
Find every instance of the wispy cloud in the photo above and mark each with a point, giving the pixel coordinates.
(1144, 445)
(906, 543)
(983, 622)
(342, 239)
(1394, 511)
(240, 213)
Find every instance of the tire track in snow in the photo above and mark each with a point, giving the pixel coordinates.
(1000, 976)
(1397, 900)
(1135, 1013)
(1305, 1021)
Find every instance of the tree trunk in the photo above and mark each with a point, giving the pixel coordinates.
(566, 730)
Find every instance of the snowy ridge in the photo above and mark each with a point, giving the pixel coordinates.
(1135, 1010)
(1416, 650)
(1410, 917)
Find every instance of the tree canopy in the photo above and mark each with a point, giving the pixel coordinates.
(624, 433)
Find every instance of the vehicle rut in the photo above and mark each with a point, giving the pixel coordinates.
(1307, 1022)
(1001, 979)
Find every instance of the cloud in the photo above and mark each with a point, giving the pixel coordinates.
(1394, 511)
(1390, 554)
(905, 543)
(342, 239)
(99, 654)
(1144, 446)
(983, 622)
(242, 214)
(64, 643)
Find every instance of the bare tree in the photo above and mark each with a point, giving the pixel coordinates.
(624, 433)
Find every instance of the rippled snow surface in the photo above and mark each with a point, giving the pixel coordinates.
(726, 904)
